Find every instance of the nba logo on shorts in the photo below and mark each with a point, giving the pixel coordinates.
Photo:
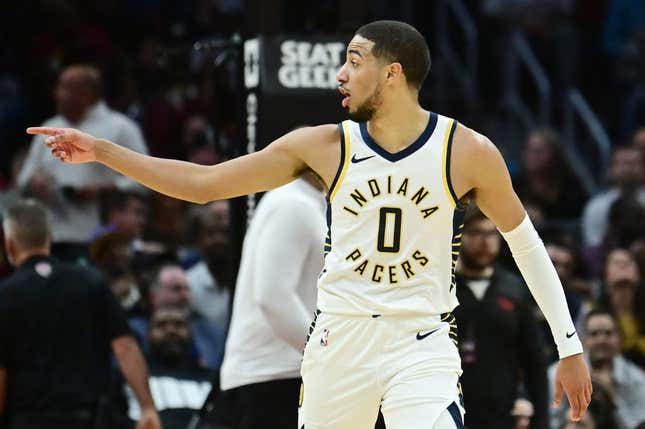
(324, 340)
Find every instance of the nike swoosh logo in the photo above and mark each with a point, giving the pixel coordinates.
(569, 335)
(422, 336)
(357, 160)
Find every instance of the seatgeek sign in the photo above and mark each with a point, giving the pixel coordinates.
(283, 63)
(310, 64)
(289, 81)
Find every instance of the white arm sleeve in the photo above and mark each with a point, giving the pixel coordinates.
(539, 274)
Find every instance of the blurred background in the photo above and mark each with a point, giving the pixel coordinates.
(557, 85)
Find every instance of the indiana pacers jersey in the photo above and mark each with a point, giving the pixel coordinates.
(394, 226)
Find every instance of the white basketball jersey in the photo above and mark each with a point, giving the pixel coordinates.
(394, 226)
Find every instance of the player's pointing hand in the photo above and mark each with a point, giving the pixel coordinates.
(68, 144)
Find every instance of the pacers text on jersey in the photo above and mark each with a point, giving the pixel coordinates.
(386, 187)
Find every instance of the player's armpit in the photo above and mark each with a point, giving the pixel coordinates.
(486, 175)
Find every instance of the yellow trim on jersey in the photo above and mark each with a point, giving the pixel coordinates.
(345, 162)
(443, 164)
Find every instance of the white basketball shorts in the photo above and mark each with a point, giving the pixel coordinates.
(407, 366)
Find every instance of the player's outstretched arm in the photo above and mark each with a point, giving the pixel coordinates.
(277, 164)
(487, 175)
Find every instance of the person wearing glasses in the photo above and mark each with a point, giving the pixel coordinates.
(620, 381)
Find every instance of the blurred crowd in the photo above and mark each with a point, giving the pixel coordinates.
(130, 70)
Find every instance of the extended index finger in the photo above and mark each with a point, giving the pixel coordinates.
(48, 131)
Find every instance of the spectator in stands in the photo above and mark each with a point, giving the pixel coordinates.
(14, 107)
(11, 193)
(167, 222)
(5, 266)
(621, 382)
(58, 324)
(522, 412)
(638, 142)
(564, 261)
(200, 141)
(124, 213)
(545, 179)
(72, 194)
(210, 278)
(626, 175)
(274, 302)
(624, 298)
(179, 383)
(626, 225)
(637, 249)
(112, 252)
(9, 196)
(624, 18)
(602, 408)
(124, 286)
(170, 289)
(586, 422)
(495, 315)
(631, 82)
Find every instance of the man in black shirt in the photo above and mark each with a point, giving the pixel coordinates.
(58, 324)
(498, 340)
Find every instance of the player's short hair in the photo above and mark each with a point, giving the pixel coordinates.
(27, 223)
(399, 42)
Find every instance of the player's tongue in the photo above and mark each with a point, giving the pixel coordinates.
(345, 101)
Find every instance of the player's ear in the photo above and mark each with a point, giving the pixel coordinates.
(394, 72)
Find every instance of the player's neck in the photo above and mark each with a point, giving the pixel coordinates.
(397, 124)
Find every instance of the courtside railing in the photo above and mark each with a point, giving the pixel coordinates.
(462, 65)
(521, 57)
(578, 116)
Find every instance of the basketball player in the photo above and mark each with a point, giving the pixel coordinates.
(398, 177)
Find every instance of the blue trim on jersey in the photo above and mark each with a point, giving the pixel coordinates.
(453, 409)
(458, 216)
(448, 150)
(457, 230)
(343, 154)
(393, 157)
(327, 246)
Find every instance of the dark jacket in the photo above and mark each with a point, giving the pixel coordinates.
(57, 322)
(500, 348)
